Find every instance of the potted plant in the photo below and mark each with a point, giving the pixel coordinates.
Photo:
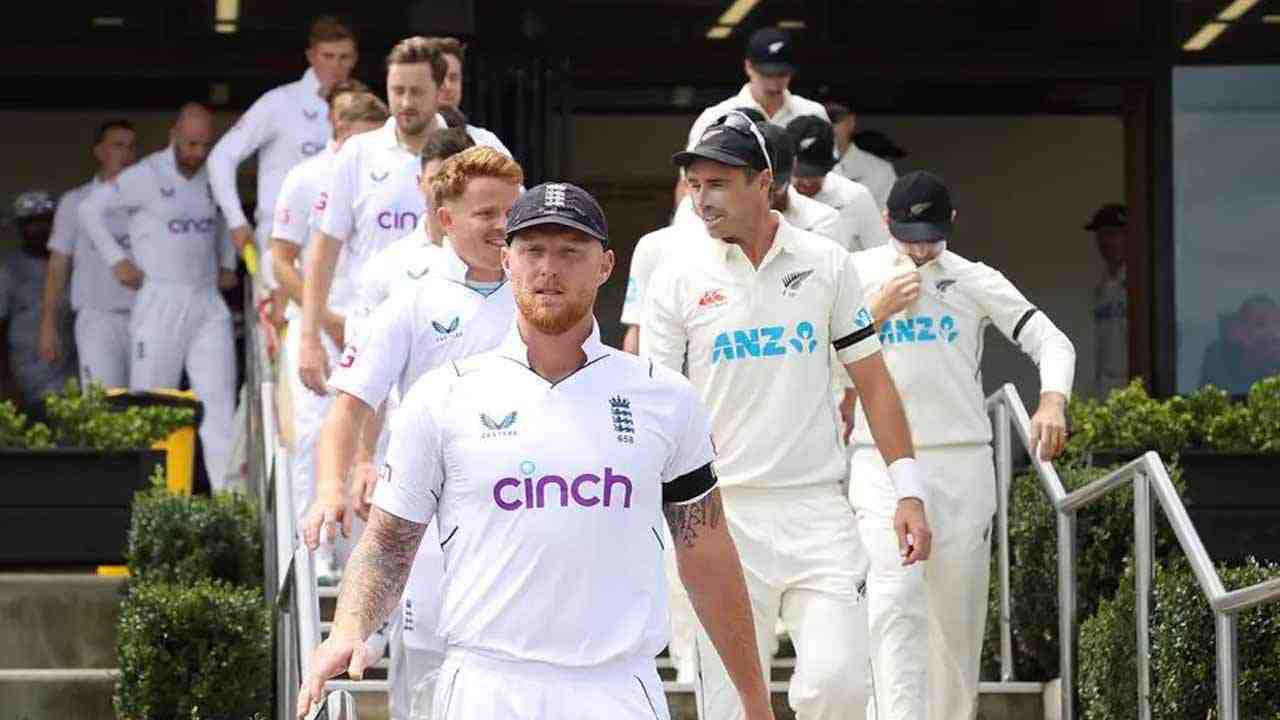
(71, 482)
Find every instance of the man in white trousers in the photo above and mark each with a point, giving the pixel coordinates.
(284, 127)
(100, 303)
(931, 309)
(180, 258)
(463, 306)
(753, 312)
(860, 225)
(548, 464)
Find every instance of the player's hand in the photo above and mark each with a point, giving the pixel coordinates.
(324, 519)
(241, 236)
(128, 274)
(338, 653)
(50, 344)
(1049, 426)
(847, 404)
(915, 539)
(227, 279)
(313, 366)
(895, 296)
(364, 480)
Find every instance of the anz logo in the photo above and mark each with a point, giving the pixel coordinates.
(919, 329)
(182, 226)
(770, 341)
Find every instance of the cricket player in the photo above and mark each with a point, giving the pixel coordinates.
(931, 309)
(455, 54)
(1111, 299)
(284, 127)
(100, 303)
(753, 312)
(860, 225)
(180, 258)
(26, 378)
(462, 307)
(547, 464)
(877, 174)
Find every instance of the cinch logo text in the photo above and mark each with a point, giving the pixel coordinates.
(392, 220)
(181, 226)
(919, 329)
(770, 341)
(586, 490)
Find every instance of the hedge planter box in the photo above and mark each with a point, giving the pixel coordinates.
(70, 506)
(1235, 503)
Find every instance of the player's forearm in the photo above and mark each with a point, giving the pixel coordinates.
(322, 260)
(712, 573)
(55, 288)
(367, 442)
(338, 438)
(883, 407)
(283, 255)
(376, 573)
(631, 340)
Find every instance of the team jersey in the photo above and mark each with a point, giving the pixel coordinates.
(933, 348)
(176, 233)
(877, 174)
(441, 319)
(651, 249)
(860, 225)
(397, 268)
(92, 283)
(793, 106)
(549, 498)
(285, 126)
(756, 345)
(802, 213)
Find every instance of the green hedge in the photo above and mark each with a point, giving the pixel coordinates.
(183, 539)
(200, 650)
(85, 420)
(1183, 670)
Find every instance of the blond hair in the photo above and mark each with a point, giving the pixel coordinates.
(450, 181)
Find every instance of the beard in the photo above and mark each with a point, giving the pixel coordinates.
(557, 319)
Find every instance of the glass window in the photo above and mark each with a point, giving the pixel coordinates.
(1226, 161)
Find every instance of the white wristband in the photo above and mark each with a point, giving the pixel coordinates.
(906, 484)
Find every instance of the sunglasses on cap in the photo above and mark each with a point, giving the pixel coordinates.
(739, 122)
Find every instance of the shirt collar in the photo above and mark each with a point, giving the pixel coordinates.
(310, 83)
(387, 133)
(746, 99)
(514, 347)
(449, 265)
(783, 240)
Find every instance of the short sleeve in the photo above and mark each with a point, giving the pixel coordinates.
(871, 229)
(335, 205)
(663, 337)
(853, 332)
(412, 477)
(643, 261)
(62, 239)
(293, 207)
(373, 362)
(688, 475)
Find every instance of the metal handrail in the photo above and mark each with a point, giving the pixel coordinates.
(1148, 476)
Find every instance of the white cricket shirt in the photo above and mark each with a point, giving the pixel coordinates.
(285, 126)
(398, 268)
(876, 173)
(793, 106)
(933, 348)
(93, 285)
(802, 213)
(757, 346)
(549, 498)
(442, 319)
(860, 225)
(176, 233)
(651, 249)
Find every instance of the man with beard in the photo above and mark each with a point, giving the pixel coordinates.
(455, 54)
(180, 258)
(547, 464)
(753, 312)
(24, 376)
(100, 303)
(462, 307)
(932, 309)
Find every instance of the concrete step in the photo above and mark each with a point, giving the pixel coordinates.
(69, 694)
(58, 620)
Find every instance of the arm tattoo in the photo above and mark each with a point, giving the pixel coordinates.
(377, 571)
(689, 520)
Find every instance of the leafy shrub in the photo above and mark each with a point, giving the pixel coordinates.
(1129, 419)
(87, 420)
(200, 650)
(14, 432)
(1108, 674)
(183, 539)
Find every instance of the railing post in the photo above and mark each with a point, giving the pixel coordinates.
(1142, 587)
(1004, 481)
(1067, 610)
(1228, 699)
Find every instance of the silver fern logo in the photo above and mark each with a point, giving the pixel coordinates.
(792, 281)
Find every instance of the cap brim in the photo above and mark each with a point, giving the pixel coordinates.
(686, 158)
(804, 169)
(773, 69)
(920, 232)
(554, 220)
